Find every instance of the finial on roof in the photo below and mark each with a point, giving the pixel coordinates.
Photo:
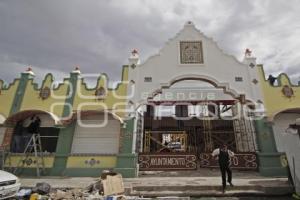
(134, 58)
(189, 23)
(249, 59)
(29, 71)
(76, 70)
(134, 52)
(248, 53)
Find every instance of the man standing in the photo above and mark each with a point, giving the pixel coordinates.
(224, 155)
(17, 137)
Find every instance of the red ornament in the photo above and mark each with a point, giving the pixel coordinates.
(134, 51)
(248, 52)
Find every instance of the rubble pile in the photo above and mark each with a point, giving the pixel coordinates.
(108, 187)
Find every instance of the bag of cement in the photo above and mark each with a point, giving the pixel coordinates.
(41, 188)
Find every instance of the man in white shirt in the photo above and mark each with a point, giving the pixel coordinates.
(224, 155)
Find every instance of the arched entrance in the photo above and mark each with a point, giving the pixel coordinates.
(16, 139)
(191, 117)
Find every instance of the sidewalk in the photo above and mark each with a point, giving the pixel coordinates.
(180, 186)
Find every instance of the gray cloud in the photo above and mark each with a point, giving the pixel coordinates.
(98, 35)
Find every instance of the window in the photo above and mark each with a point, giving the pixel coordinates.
(238, 79)
(148, 79)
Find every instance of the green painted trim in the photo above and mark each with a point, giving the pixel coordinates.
(126, 160)
(273, 172)
(36, 85)
(19, 95)
(126, 137)
(275, 154)
(96, 172)
(31, 172)
(63, 149)
(7, 87)
(265, 136)
(107, 81)
(77, 172)
(73, 84)
(268, 156)
(37, 88)
(83, 172)
(127, 172)
(270, 165)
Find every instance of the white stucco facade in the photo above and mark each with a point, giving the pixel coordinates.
(165, 68)
(288, 143)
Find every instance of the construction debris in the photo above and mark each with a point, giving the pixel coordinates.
(109, 187)
(41, 188)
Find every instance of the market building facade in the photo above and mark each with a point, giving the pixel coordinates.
(167, 113)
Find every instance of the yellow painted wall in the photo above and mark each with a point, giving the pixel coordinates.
(274, 99)
(14, 161)
(85, 98)
(7, 97)
(84, 162)
(32, 100)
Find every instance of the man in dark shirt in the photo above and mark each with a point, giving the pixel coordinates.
(34, 126)
(224, 155)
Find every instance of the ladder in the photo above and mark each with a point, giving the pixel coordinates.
(34, 146)
(244, 135)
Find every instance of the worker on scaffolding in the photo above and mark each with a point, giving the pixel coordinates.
(33, 128)
(224, 155)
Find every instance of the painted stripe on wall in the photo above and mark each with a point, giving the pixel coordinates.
(91, 162)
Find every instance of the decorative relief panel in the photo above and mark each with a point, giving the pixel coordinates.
(191, 52)
(45, 93)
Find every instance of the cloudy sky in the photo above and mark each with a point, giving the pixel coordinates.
(98, 35)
